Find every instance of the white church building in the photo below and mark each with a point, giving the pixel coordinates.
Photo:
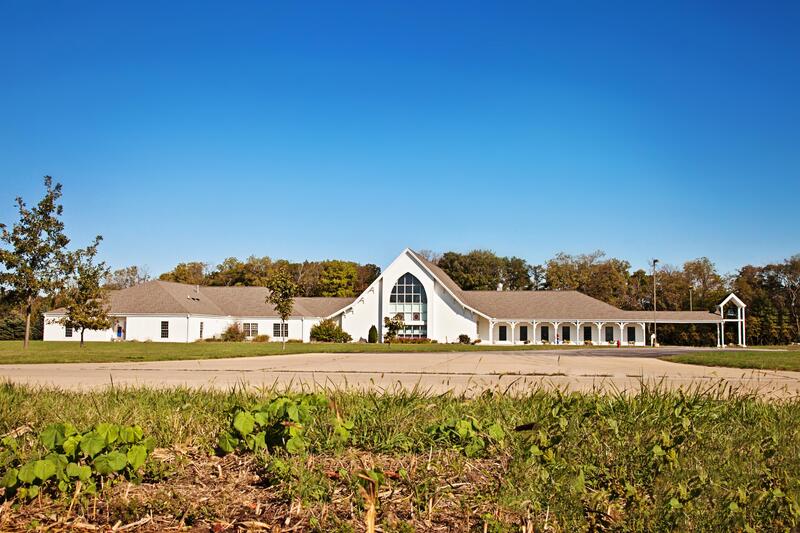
(432, 305)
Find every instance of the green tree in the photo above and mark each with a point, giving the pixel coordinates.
(372, 336)
(708, 287)
(124, 278)
(86, 297)
(393, 325)
(282, 290)
(338, 278)
(516, 274)
(34, 253)
(193, 273)
(788, 275)
(478, 270)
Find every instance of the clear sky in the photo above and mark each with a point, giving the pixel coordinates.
(198, 131)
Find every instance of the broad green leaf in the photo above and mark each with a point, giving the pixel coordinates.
(131, 434)
(261, 418)
(149, 443)
(52, 436)
(44, 469)
(71, 444)
(33, 491)
(137, 455)
(674, 503)
(26, 473)
(92, 444)
(579, 485)
(108, 463)
(227, 442)
(244, 422)
(495, 432)
(9, 442)
(293, 413)
(82, 472)
(109, 432)
(295, 445)
(9, 479)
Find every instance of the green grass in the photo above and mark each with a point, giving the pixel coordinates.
(11, 352)
(777, 358)
(655, 461)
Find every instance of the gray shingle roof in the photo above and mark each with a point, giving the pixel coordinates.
(165, 297)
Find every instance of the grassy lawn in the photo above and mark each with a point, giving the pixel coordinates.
(657, 461)
(106, 352)
(777, 358)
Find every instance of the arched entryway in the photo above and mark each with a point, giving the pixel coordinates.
(408, 298)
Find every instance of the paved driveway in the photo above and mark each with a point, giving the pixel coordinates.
(468, 372)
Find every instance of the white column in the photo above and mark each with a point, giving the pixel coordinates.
(621, 333)
(556, 334)
(744, 329)
(644, 332)
(722, 331)
(718, 342)
(491, 331)
(599, 332)
(533, 333)
(513, 327)
(577, 332)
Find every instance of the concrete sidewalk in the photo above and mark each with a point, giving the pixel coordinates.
(461, 372)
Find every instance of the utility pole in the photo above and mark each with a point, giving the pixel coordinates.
(655, 320)
(691, 308)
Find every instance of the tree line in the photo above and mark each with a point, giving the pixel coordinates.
(771, 292)
(40, 272)
(313, 278)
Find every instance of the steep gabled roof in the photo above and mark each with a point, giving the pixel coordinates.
(440, 274)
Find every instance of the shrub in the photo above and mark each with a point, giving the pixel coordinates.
(412, 340)
(260, 338)
(463, 339)
(329, 331)
(234, 333)
(372, 336)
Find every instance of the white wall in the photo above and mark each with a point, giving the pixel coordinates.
(446, 318)
(148, 328)
(364, 313)
(55, 331)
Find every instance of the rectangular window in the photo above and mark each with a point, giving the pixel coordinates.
(609, 333)
(201, 330)
(250, 329)
(565, 331)
(502, 333)
(164, 329)
(68, 331)
(587, 333)
(631, 333)
(276, 330)
(546, 333)
(523, 333)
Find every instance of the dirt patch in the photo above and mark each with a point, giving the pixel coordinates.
(439, 491)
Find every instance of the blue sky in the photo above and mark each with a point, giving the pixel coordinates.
(198, 131)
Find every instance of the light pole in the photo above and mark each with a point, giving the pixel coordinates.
(655, 320)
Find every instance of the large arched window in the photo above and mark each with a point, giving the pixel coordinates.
(408, 297)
